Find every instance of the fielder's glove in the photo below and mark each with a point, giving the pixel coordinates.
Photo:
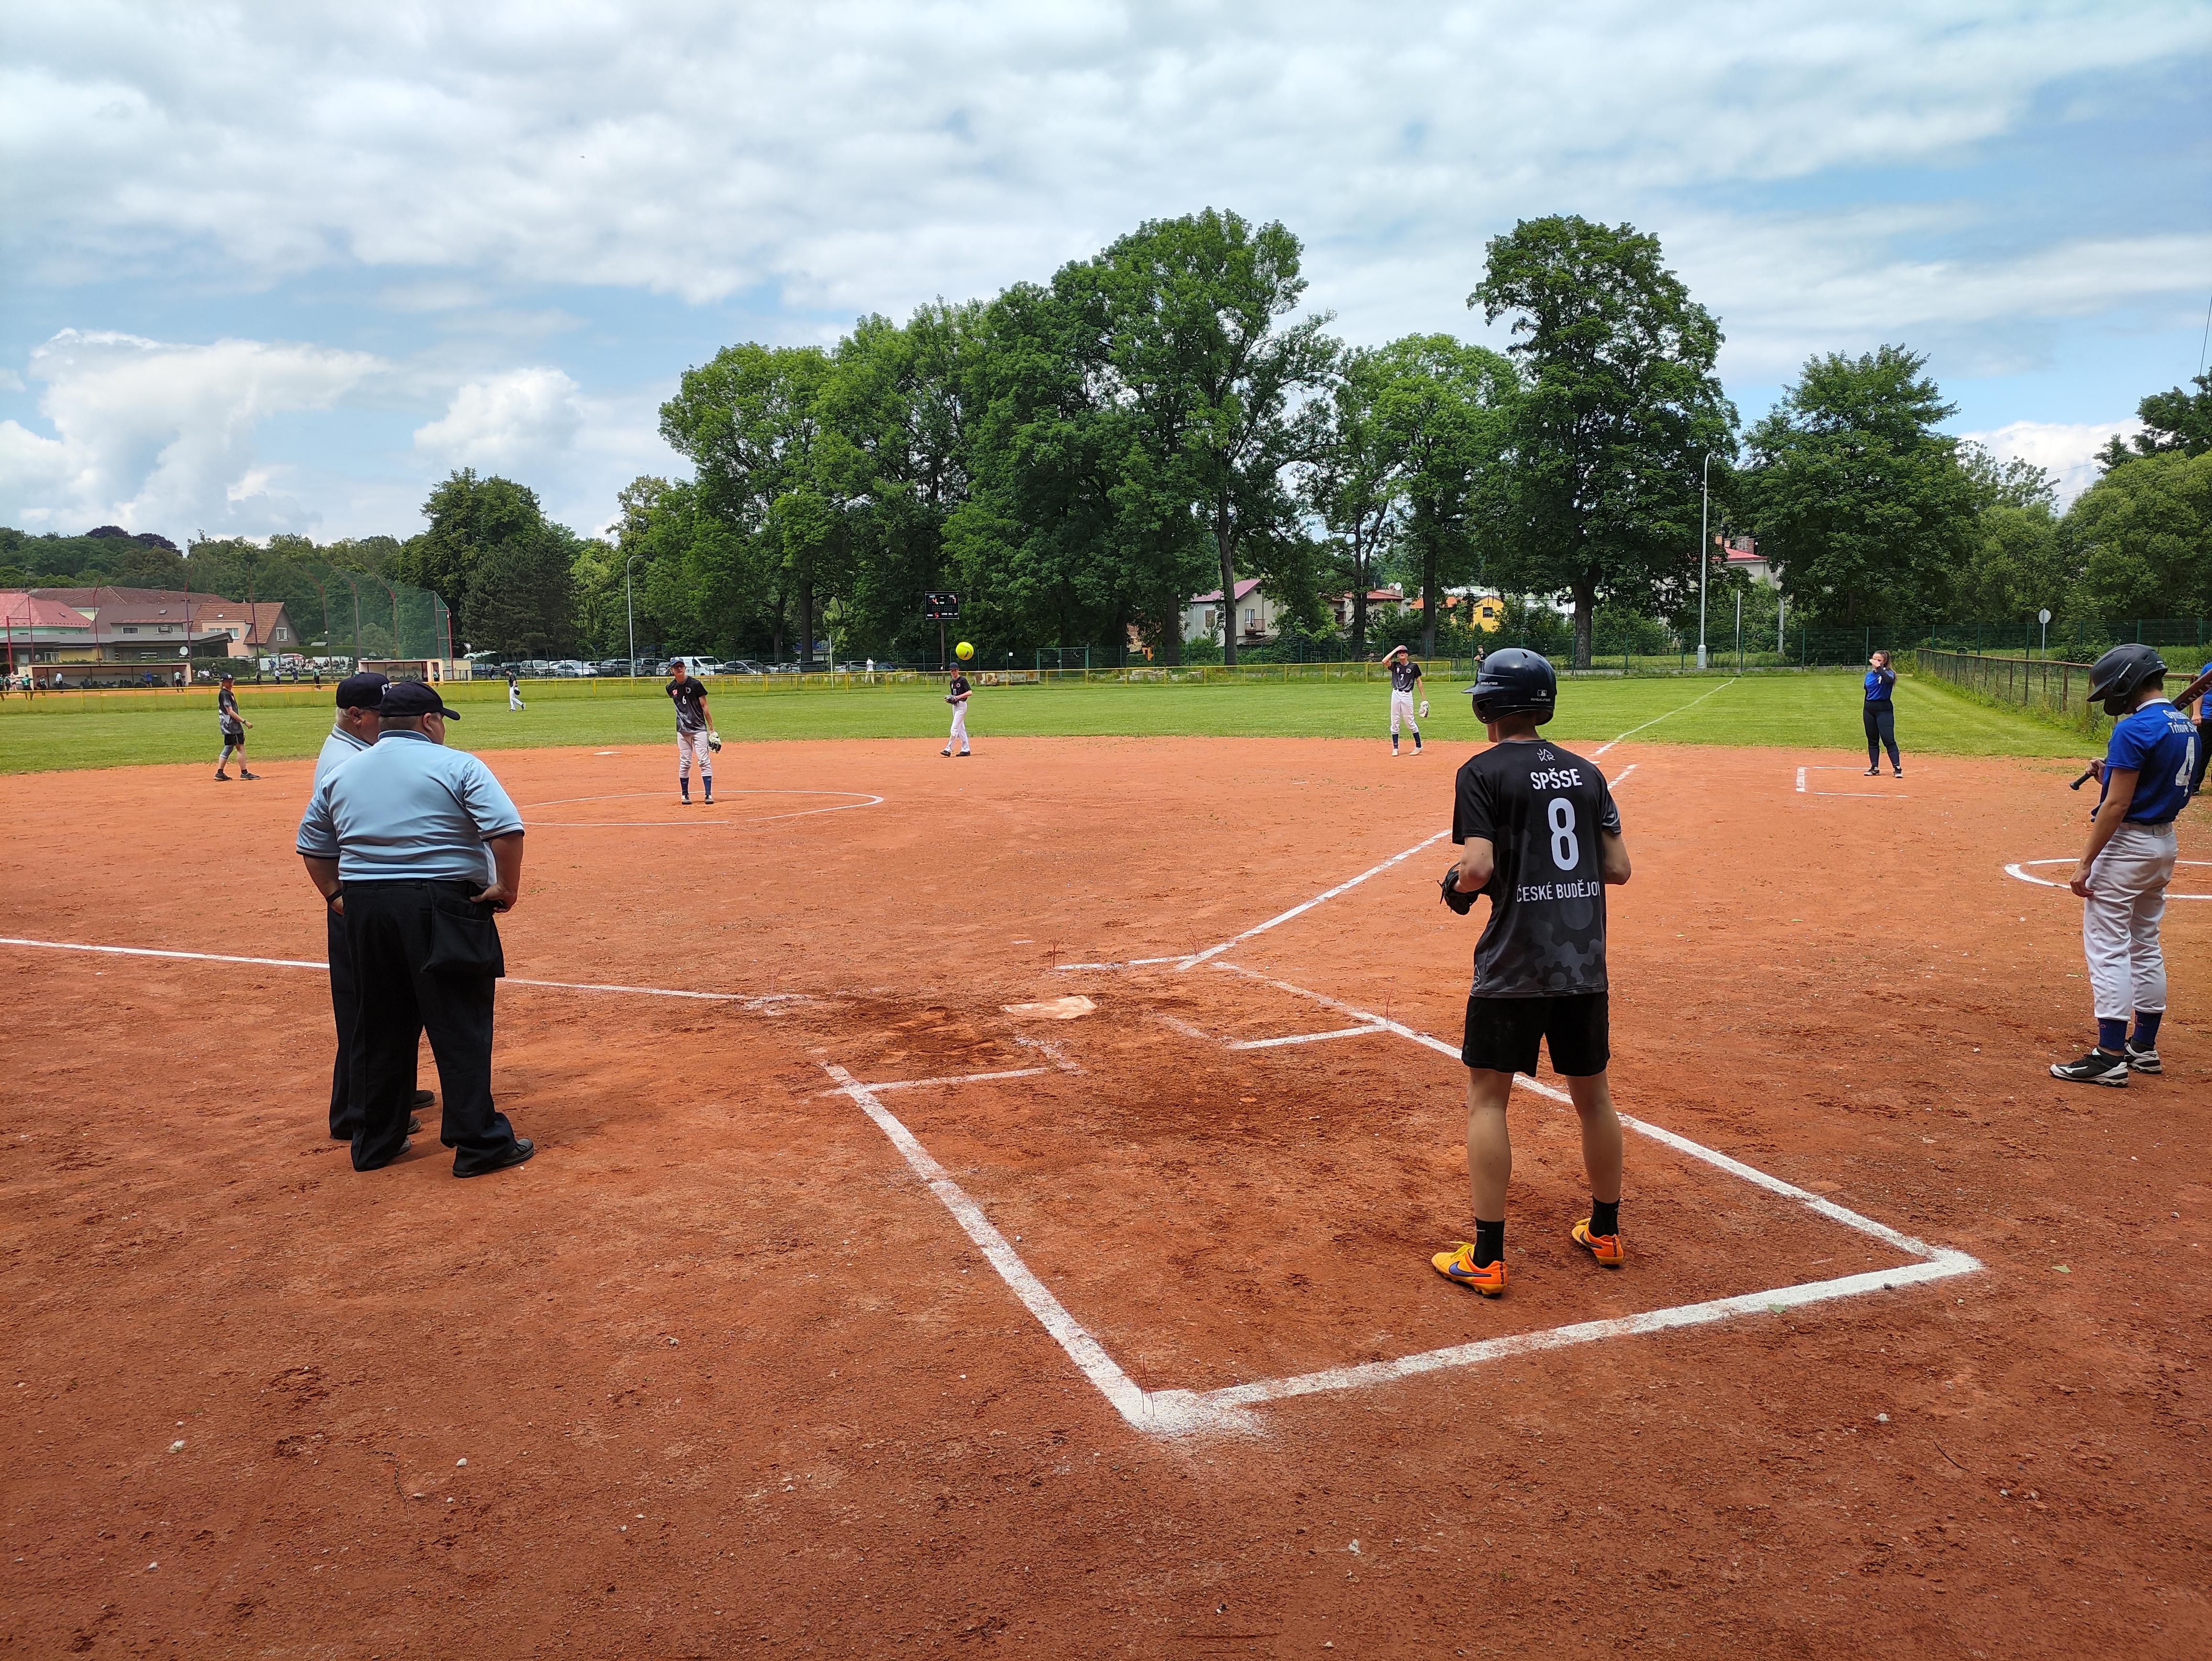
(714, 744)
(1425, 709)
(1460, 902)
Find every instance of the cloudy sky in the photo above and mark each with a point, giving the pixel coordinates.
(279, 267)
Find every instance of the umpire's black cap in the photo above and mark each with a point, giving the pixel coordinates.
(403, 700)
(363, 691)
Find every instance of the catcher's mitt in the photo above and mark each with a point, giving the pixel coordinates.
(1460, 902)
(714, 744)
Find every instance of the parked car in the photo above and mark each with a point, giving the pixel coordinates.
(741, 666)
(614, 666)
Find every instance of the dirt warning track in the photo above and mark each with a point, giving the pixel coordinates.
(726, 1364)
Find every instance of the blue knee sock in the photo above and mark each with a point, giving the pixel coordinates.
(2111, 1035)
(2147, 1022)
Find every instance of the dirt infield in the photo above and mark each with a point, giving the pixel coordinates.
(719, 1372)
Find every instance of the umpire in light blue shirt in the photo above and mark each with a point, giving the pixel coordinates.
(417, 846)
(353, 731)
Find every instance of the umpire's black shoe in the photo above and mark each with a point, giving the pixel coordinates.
(523, 1148)
(2096, 1067)
(422, 1098)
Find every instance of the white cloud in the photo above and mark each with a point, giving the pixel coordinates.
(871, 154)
(158, 436)
(2066, 450)
(502, 423)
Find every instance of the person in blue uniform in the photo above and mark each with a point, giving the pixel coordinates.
(1880, 715)
(418, 848)
(2127, 862)
(352, 732)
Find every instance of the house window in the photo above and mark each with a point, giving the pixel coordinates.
(1251, 618)
(130, 628)
(166, 628)
(284, 634)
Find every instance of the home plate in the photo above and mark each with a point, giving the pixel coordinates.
(1054, 1009)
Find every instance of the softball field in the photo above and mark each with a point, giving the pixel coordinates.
(985, 1206)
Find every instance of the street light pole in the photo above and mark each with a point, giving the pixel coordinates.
(1705, 549)
(629, 615)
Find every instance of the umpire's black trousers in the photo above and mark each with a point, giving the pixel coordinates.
(397, 1001)
(340, 952)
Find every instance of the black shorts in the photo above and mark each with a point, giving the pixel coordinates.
(1501, 1034)
(234, 736)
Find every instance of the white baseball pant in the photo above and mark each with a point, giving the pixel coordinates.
(959, 725)
(2120, 918)
(689, 745)
(513, 696)
(1401, 708)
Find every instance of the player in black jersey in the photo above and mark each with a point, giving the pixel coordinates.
(1540, 835)
(1404, 679)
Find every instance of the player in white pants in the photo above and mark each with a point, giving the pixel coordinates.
(2127, 862)
(694, 730)
(957, 695)
(1405, 678)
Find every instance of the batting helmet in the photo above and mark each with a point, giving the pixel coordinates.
(2118, 675)
(1515, 682)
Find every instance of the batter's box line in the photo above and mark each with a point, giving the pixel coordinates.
(1803, 789)
(1178, 1412)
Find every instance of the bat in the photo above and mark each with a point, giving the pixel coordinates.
(2196, 689)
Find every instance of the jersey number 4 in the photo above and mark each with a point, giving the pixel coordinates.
(2188, 763)
(1566, 851)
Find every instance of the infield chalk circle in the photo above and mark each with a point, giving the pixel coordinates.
(2019, 869)
(697, 822)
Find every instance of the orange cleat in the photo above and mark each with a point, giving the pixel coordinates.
(1458, 1266)
(1609, 1250)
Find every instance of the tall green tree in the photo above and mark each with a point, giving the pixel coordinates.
(749, 422)
(1856, 494)
(2172, 420)
(521, 595)
(468, 516)
(2142, 536)
(1618, 406)
(1185, 313)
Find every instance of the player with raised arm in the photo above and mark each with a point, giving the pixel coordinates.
(232, 726)
(1540, 835)
(2128, 860)
(695, 732)
(1405, 678)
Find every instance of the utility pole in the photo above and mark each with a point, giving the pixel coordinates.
(1705, 549)
(629, 614)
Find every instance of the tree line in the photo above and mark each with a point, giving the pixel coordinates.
(1077, 458)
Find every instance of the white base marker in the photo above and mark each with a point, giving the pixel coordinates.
(1161, 1412)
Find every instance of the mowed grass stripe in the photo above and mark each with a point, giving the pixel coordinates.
(1808, 712)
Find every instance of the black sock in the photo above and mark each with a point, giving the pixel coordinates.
(1605, 1217)
(1489, 1242)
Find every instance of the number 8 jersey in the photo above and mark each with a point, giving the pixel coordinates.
(1541, 809)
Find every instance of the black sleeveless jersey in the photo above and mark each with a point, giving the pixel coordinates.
(1541, 808)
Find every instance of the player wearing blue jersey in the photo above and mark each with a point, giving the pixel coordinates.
(2127, 861)
(1879, 714)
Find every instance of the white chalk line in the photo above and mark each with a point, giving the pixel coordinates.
(2018, 869)
(698, 822)
(750, 1000)
(1881, 795)
(1156, 1411)
(1656, 719)
(1367, 1030)
(1371, 1373)
(959, 1078)
(1212, 952)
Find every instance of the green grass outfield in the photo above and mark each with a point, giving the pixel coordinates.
(1808, 711)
